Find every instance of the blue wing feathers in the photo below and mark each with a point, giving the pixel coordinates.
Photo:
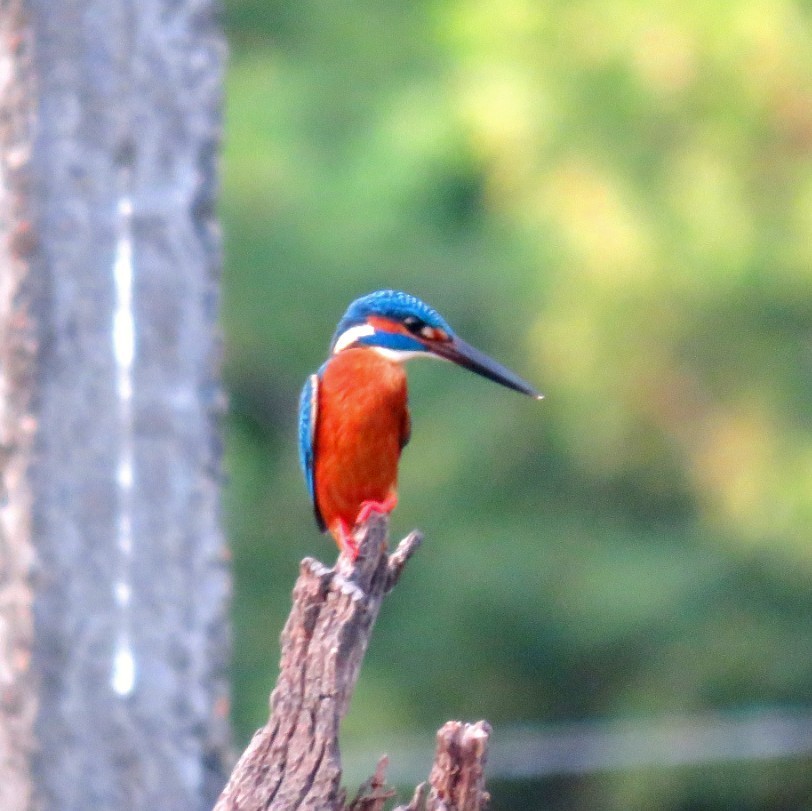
(308, 414)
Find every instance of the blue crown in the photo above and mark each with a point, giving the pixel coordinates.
(392, 304)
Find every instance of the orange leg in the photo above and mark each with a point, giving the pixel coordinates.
(342, 532)
(368, 507)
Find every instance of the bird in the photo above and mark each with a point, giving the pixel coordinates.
(354, 416)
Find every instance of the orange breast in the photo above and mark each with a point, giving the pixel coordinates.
(362, 424)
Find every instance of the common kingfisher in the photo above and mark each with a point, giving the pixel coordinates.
(353, 413)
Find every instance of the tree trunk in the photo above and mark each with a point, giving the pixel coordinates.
(17, 422)
(120, 260)
(294, 762)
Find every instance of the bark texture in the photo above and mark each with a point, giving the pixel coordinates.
(109, 455)
(293, 762)
(457, 779)
(17, 422)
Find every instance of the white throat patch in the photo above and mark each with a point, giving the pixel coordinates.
(399, 355)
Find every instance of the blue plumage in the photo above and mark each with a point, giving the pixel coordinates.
(398, 326)
(308, 408)
(393, 341)
(393, 304)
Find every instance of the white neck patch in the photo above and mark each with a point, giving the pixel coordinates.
(351, 335)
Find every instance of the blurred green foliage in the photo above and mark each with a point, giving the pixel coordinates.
(615, 199)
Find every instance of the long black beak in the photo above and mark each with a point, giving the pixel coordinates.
(463, 354)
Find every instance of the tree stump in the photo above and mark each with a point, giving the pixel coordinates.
(294, 762)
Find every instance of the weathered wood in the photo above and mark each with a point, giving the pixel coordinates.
(17, 423)
(293, 762)
(374, 793)
(457, 778)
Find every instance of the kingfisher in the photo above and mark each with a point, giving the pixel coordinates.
(353, 413)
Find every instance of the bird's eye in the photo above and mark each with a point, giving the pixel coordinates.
(420, 328)
(415, 325)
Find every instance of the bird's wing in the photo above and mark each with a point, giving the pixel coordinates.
(308, 414)
(405, 428)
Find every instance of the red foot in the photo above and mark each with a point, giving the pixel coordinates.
(344, 533)
(368, 507)
(345, 539)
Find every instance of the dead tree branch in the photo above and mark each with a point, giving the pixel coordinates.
(458, 776)
(293, 762)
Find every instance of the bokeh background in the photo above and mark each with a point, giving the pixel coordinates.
(615, 199)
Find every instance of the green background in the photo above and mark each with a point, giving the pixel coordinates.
(614, 199)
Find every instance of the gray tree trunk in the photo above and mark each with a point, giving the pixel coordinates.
(17, 421)
(119, 260)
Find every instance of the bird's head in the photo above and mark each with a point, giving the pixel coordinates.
(401, 326)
